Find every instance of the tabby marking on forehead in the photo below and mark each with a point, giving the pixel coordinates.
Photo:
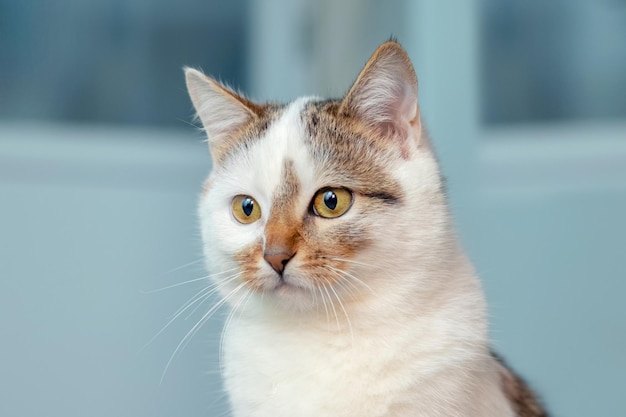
(351, 155)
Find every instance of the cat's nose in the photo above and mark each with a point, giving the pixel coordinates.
(278, 259)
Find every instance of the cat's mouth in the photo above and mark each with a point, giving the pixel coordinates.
(287, 282)
(292, 291)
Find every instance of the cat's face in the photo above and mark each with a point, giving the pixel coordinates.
(319, 200)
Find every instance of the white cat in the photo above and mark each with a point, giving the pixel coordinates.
(326, 224)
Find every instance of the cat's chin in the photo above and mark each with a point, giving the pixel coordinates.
(289, 294)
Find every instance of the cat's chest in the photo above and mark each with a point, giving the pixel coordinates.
(398, 370)
(268, 370)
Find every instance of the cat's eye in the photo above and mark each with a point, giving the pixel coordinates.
(245, 209)
(331, 202)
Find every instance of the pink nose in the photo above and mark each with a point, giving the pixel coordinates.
(278, 259)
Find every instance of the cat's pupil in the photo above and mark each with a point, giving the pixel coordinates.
(330, 199)
(247, 205)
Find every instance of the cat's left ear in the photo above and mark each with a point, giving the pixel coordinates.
(223, 112)
(384, 96)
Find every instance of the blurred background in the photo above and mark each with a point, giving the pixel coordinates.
(100, 170)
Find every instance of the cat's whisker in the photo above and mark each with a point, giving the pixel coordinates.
(352, 290)
(342, 282)
(250, 294)
(236, 308)
(351, 276)
(211, 288)
(384, 267)
(195, 328)
(208, 295)
(233, 310)
(199, 297)
(178, 268)
(190, 124)
(352, 261)
(345, 313)
(325, 307)
(174, 317)
(199, 303)
(332, 305)
(188, 282)
(381, 266)
(314, 295)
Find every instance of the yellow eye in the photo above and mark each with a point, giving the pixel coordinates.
(245, 209)
(332, 202)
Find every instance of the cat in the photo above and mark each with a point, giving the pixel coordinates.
(326, 228)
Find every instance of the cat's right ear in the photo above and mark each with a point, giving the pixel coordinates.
(223, 112)
(384, 96)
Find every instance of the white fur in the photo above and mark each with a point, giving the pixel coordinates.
(415, 343)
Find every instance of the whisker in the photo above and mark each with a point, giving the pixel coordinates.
(243, 300)
(250, 294)
(200, 295)
(214, 309)
(211, 288)
(349, 275)
(325, 307)
(189, 123)
(352, 261)
(178, 268)
(385, 267)
(195, 328)
(314, 294)
(199, 303)
(332, 305)
(210, 293)
(345, 314)
(188, 282)
(338, 273)
(351, 290)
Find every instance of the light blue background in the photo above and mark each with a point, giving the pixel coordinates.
(94, 215)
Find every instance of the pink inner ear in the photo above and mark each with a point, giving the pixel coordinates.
(407, 107)
(390, 111)
(384, 96)
(399, 113)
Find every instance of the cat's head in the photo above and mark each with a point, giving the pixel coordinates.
(320, 200)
